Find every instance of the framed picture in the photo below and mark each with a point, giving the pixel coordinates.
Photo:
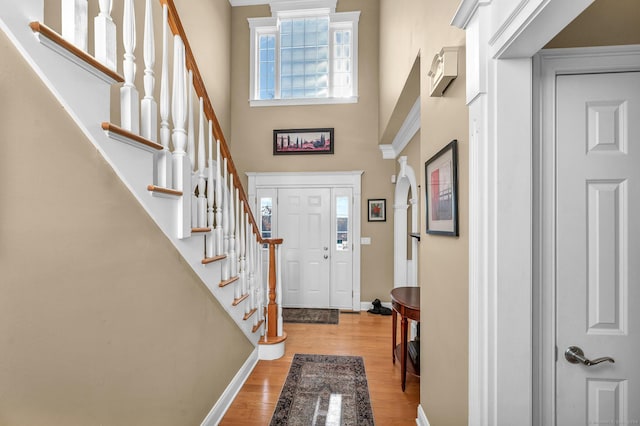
(378, 210)
(303, 141)
(441, 175)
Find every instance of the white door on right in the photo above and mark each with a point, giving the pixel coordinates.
(598, 248)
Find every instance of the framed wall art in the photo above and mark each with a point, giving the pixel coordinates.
(303, 141)
(377, 210)
(441, 175)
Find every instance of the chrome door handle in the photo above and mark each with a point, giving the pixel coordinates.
(575, 355)
(326, 256)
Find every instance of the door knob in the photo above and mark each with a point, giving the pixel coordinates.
(326, 248)
(575, 355)
(326, 256)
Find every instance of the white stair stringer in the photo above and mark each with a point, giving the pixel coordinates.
(86, 98)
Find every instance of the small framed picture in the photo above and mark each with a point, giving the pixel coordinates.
(303, 141)
(441, 175)
(377, 210)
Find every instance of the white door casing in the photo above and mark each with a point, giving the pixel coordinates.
(405, 271)
(345, 264)
(588, 232)
(304, 224)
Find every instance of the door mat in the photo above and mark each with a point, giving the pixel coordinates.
(310, 316)
(324, 390)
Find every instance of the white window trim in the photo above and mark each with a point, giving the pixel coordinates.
(268, 25)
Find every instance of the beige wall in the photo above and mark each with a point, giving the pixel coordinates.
(604, 23)
(356, 136)
(422, 27)
(101, 321)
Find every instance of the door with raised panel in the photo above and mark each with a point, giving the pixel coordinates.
(598, 248)
(304, 224)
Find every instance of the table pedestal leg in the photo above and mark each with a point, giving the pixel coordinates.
(403, 364)
(394, 319)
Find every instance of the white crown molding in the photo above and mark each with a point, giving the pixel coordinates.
(277, 5)
(465, 12)
(407, 131)
(247, 2)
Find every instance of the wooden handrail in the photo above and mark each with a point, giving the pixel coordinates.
(176, 27)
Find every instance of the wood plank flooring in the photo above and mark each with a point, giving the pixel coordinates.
(366, 335)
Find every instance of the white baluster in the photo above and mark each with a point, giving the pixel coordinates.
(241, 252)
(75, 22)
(181, 166)
(233, 270)
(218, 194)
(191, 152)
(129, 99)
(104, 43)
(225, 220)
(165, 159)
(238, 226)
(202, 173)
(278, 289)
(249, 264)
(149, 107)
(210, 247)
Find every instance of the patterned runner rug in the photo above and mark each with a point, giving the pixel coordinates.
(324, 390)
(310, 316)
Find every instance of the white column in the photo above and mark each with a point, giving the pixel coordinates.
(104, 49)
(149, 107)
(129, 99)
(75, 22)
(181, 164)
(165, 158)
(279, 289)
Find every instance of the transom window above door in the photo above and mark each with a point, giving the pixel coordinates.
(306, 55)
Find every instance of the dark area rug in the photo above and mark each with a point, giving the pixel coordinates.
(324, 390)
(310, 316)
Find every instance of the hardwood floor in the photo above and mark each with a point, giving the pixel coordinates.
(366, 335)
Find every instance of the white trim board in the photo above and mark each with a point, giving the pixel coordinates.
(224, 402)
(407, 131)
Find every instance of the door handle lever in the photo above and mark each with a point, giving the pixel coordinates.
(575, 355)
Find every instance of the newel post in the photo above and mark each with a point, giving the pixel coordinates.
(272, 307)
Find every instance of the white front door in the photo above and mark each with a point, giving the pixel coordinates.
(598, 247)
(304, 224)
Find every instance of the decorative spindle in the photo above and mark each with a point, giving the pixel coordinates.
(210, 244)
(179, 113)
(238, 225)
(233, 261)
(191, 151)
(105, 35)
(225, 220)
(165, 159)
(202, 173)
(149, 107)
(129, 99)
(75, 22)
(218, 195)
(241, 252)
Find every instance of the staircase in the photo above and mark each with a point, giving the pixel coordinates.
(171, 154)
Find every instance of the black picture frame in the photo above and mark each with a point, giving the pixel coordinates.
(377, 210)
(441, 191)
(303, 141)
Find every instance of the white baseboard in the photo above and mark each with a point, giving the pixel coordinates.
(422, 417)
(222, 405)
(365, 306)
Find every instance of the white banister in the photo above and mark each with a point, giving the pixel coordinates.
(210, 248)
(165, 160)
(249, 265)
(129, 99)
(241, 254)
(225, 219)
(181, 163)
(75, 22)
(149, 107)
(218, 196)
(104, 42)
(202, 172)
(191, 151)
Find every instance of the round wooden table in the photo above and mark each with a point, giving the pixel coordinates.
(406, 302)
